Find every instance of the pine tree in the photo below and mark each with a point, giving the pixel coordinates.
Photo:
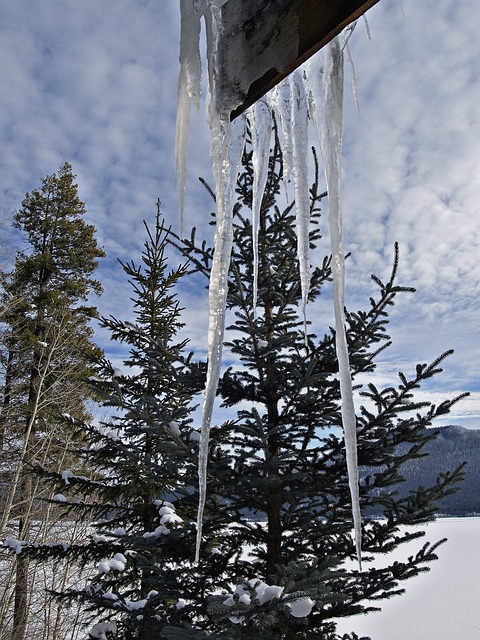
(139, 495)
(279, 470)
(48, 342)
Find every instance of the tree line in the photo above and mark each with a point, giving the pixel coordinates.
(99, 513)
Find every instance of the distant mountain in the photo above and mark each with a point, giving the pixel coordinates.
(452, 446)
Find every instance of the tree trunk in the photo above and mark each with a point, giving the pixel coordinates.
(274, 498)
(7, 390)
(20, 612)
(274, 504)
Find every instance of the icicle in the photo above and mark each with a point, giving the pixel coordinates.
(353, 77)
(346, 35)
(367, 26)
(259, 118)
(226, 147)
(327, 107)
(188, 90)
(290, 104)
(226, 151)
(299, 137)
(280, 98)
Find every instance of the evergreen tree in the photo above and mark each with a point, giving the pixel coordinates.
(48, 343)
(139, 495)
(279, 469)
(45, 291)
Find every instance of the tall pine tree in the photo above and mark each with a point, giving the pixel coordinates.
(48, 343)
(139, 496)
(279, 470)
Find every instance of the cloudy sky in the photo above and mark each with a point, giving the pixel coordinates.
(94, 83)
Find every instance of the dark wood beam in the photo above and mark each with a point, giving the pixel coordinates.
(263, 41)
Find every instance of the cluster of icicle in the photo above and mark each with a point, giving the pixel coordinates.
(315, 91)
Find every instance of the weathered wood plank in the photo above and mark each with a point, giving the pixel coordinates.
(265, 40)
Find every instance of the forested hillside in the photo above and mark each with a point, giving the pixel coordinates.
(453, 446)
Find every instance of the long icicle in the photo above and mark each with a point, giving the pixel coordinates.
(226, 147)
(279, 99)
(299, 136)
(226, 151)
(188, 92)
(327, 106)
(259, 118)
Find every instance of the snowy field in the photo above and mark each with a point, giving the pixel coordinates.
(443, 604)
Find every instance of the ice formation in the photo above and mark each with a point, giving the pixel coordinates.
(316, 92)
(259, 119)
(326, 102)
(188, 89)
(226, 152)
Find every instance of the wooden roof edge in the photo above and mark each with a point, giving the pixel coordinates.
(261, 86)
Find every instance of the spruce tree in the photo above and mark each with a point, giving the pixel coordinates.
(139, 494)
(48, 343)
(279, 469)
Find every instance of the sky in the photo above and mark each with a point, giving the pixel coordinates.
(94, 83)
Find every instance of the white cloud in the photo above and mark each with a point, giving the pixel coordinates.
(95, 84)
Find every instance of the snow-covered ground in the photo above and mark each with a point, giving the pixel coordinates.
(443, 604)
